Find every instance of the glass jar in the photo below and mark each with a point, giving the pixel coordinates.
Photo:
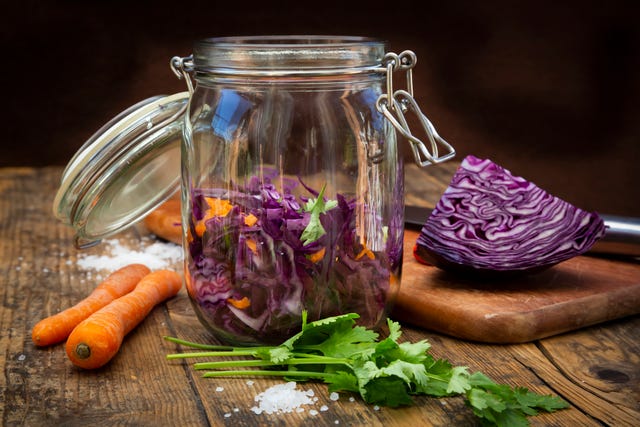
(292, 186)
(291, 179)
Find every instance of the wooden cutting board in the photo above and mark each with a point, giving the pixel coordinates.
(579, 292)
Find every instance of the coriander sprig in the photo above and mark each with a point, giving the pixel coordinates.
(384, 372)
(314, 229)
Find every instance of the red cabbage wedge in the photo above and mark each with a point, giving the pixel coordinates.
(489, 221)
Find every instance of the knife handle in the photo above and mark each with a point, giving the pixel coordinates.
(622, 236)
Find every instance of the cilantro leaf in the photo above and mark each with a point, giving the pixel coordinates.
(530, 400)
(314, 230)
(280, 354)
(502, 405)
(438, 374)
(389, 391)
(459, 380)
(342, 381)
(407, 371)
(347, 341)
(319, 330)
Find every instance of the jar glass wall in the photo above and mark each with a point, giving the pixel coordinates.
(292, 186)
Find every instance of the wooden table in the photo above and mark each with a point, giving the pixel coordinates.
(596, 369)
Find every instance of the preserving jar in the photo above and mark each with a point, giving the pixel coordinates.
(291, 180)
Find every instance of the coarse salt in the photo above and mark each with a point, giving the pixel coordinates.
(156, 255)
(282, 398)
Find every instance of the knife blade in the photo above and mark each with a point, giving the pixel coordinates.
(621, 238)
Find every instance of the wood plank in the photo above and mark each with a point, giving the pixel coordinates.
(597, 369)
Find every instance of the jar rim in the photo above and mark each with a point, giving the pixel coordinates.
(273, 55)
(290, 40)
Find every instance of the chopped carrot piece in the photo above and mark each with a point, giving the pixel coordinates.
(218, 207)
(393, 281)
(251, 244)
(200, 228)
(250, 220)
(239, 303)
(365, 251)
(317, 256)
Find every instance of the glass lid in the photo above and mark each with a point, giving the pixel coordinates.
(125, 170)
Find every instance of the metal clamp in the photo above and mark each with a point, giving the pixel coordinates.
(395, 104)
(181, 67)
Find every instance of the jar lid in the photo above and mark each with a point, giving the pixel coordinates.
(124, 171)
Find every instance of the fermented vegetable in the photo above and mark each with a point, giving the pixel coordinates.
(259, 256)
(489, 221)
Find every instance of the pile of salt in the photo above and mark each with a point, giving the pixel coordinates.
(282, 398)
(155, 255)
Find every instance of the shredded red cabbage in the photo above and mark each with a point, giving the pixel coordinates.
(251, 276)
(489, 221)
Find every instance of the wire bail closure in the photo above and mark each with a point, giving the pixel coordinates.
(395, 104)
(181, 67)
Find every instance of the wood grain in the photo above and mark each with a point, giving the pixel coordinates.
(596, 369)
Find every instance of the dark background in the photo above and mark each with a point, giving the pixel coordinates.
(550, 90)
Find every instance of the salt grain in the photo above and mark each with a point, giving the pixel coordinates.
(219, 389)
(324, 408)
(282, 398)
(334, 396)
(313, 412)
(157, 255)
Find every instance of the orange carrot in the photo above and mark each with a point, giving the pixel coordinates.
(240, 303)
(56, 328)
(217, 208)
(97, 339)
(165, 221)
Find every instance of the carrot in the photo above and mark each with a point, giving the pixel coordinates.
(97, 339)
(165, 221)
(56, 328)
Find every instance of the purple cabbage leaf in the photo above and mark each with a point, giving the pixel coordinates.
(489, 221)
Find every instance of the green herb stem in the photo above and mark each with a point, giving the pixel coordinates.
(266, 373)
(232, 353)
(266, 363)
(198, 345)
